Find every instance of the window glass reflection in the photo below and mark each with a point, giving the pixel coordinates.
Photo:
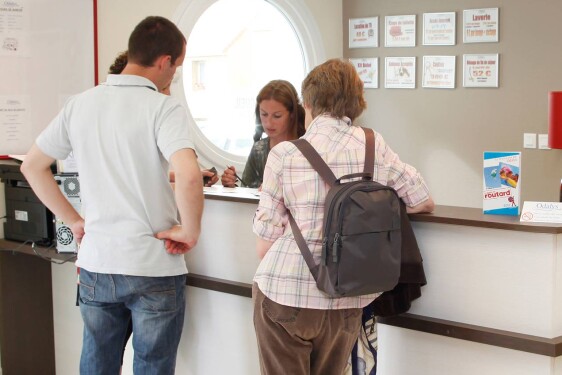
(234, 49)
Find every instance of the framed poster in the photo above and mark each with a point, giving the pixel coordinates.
(364, 32)
(480, 70)
(439, 29)
(439, 72)
(400, 31)
(400, 73)
(481, 25)
(368, 70)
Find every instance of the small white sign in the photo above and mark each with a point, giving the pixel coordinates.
(541, 212)
(400, 31)
(439, 72)
(481, 25)
(480, 70)
(400, 73)
(439, 29)
(364, 32)
(368, 70)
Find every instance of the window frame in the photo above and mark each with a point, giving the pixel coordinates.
(307, 32)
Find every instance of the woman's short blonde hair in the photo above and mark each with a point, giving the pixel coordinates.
(334, 87)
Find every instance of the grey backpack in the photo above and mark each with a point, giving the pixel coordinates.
(361, 237)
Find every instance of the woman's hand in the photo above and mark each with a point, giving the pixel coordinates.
(228, 178)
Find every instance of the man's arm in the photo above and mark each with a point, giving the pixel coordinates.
(37, 171)
(189, 198)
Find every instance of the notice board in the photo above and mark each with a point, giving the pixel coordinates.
(47, 54)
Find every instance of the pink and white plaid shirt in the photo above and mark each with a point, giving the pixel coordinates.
(290, 182)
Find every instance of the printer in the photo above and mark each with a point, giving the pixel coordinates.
(27, 219)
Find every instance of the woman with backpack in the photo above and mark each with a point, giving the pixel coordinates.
(299, 328)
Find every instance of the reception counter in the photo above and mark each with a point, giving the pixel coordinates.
(492, 305)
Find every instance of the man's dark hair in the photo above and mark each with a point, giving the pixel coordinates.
(154, 37)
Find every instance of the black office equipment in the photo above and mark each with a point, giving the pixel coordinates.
(27, 219)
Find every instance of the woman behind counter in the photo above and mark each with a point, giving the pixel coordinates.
(280, 115)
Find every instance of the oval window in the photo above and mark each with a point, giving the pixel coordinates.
(234, 48)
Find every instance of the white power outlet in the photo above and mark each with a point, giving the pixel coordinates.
(543, 142)
(530, 140)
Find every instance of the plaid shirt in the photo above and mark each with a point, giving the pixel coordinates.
(290, 182)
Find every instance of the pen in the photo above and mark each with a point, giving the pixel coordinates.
(237, 177)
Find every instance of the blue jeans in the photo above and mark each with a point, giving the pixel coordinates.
(156, 306)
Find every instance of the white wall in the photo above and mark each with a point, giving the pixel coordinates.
(443, 132)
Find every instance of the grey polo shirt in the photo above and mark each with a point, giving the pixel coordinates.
(122, 134)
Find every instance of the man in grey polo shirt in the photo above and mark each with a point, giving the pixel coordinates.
(123, 134)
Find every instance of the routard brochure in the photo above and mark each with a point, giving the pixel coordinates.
(502, 183)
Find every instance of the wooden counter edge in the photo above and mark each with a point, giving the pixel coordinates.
(483, 335)
(453, 215)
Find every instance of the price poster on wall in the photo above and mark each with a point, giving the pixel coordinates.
(400, 31)
(400, 73)
(368, 71)
(480, 70)
(439, 29)
(439, 72)
(15, 126)
(363, 32)
(481, 25)
(14, 28)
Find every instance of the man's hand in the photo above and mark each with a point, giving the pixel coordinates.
(77, 229)
(176, 240)
(212, 174)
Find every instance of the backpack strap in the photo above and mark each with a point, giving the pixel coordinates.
(369, 162)
(316, 161)
(303, 247)
(369, 165)
(328, 176)
(324, 170)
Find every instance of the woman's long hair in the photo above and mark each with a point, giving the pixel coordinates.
(283, 92)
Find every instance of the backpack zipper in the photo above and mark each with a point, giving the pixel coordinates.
(335, 247)
(325, 250)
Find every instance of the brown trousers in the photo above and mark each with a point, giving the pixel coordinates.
(299, 341)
